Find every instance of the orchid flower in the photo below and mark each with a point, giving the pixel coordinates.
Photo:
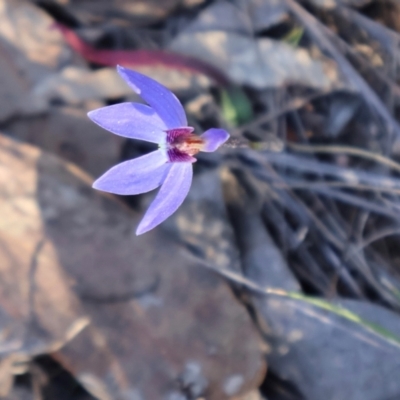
(162, 121)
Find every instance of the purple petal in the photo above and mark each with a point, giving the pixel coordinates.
(139, 175)
(213, 138)
(132, 120)
(162, 100)
(176, 133)
(171, 195)
(175, 155)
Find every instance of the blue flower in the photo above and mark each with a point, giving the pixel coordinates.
(162, 121)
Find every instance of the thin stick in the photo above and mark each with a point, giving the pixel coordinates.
(342, 185)
(291, 106)
(338, 310)
(316, 29)
(354, 151)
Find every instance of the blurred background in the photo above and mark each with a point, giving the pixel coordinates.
(279, 276)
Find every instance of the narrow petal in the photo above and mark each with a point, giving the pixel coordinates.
(161, 99)
(139, 175)
(132, 120)
(175, 155)
(171, 195)
(174, 134)
(213, 138)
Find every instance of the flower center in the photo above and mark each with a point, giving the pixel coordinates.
(190, 144)
(182, 144)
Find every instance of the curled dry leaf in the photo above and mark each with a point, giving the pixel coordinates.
(260, 63)
(29, 50)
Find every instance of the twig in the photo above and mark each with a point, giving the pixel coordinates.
(291, 106)
(350, 175)
(354, 151)
(295, 184)
(316, 29)
(338, 310)
(375, 237)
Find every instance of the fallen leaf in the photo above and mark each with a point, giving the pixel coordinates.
(264, 14)
(320, 352)
(159, 324)
(74, 85)
(224, 16)
(29, 50)
(38, 48)
(69, 133)
(139, 12)
(202, 223)
(260, 63)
